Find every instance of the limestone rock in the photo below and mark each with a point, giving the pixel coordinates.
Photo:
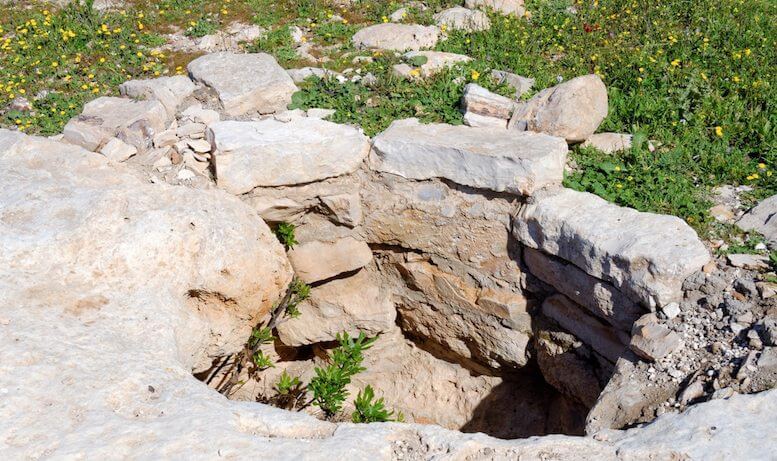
(609, 142)
(272, 153)
(646, 256)
(600, 298)
(479, 100)
(749, 261)
(459, 18)
(571, 317)
(354, 304)
(315, 261)
(653, 341)
(436, 61)
(503, 161)
(113, 238)
(396, 37)
(346, 208)
(763, 219)
(521, 84)
(170, 91)
(301, 74)
(134, 122)
(117, 150)
(245, 82)
(572, 110)
(484, 121)
(442, 310)
(514, 7)
(570, 366)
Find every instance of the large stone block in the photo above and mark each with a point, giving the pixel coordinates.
(646, 256)
(245, 82)
(273, 153)
(486, 158)
(396, 37)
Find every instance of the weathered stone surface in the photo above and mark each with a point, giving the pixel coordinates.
(134, 122)
(436, 61)
(428, 216)
(396, 37)
(572, 110)
(483, 102)
(272, 153)
(653, 341)
(117, 150)
(351, 304)
(570, 366)
(442, 310)
(300, 74)
(763, 219)
(346, 208)
(108, 290)
(459, 18)
(108, 234)
(479, 157)
(521, 84)
(749, 261)
(315, 261)
(573, 318)
(628, 398)
(170, 91)
(514, 7)
(245, 82)
(609, 142)
(483, 121)
(600, 298)
(645, 255)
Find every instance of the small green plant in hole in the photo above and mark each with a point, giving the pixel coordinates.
(288, 384)
(369, 411)
(328, 386)
(260, 336)
(300, 291)
(285, 233)
(262, 361)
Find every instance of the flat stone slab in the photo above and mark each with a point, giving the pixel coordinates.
(514, 7)
(762, 219)
(645, 255)
(436, 61)
(463, 18)
(134, 122)
(396, 37)
(245, 82)
(316, 261)
(273, 153)
(486, 158)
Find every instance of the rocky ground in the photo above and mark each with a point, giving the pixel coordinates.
(503, 302)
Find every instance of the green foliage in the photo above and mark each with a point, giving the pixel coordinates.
(285, 233)
(202, 27)
(368, 411)
(418, 60)
(328, 386)
(262, 361)
(260, 336)
(288, 384)
(300, 291)
(279, 43)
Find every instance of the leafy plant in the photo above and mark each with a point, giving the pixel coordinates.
(285, 233)
(328, 386)
(368, 411)
(260, 336)
(300, 291)
(202, 27)
(262, 361)
(287, 384)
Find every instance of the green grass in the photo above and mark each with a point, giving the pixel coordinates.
(695, 77)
